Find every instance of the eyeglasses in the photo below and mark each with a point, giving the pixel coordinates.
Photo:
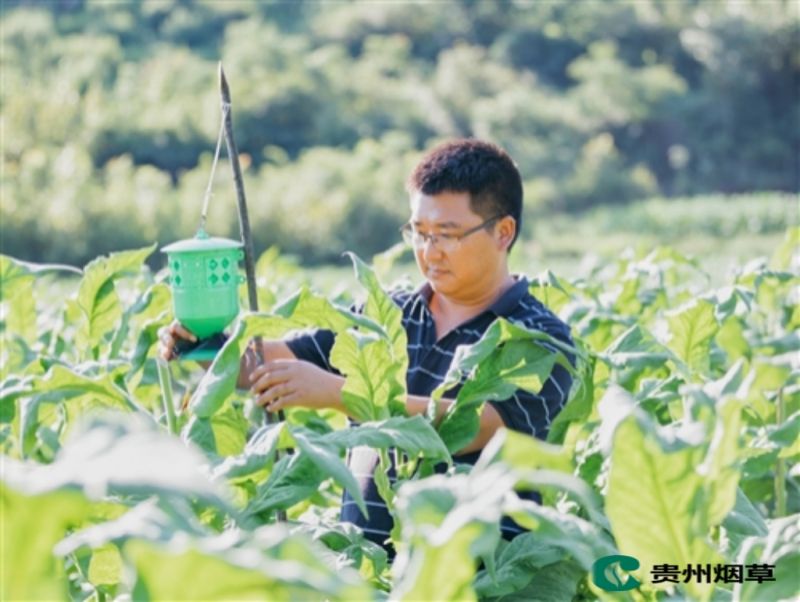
(446, 243)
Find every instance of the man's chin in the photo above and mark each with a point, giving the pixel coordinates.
(441, 283)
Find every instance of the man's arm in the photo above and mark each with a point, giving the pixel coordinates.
(283, 384)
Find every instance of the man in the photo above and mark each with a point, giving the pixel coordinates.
(466, 207)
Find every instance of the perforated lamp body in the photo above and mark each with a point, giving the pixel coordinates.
(204, 278)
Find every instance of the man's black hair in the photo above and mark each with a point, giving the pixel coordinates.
(482, 169)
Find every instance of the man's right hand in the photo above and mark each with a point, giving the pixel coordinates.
(168, 336)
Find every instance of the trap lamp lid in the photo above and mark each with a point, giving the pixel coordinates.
(204, 280)
(202, 242)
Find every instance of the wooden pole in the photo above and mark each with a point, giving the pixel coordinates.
(244, 230)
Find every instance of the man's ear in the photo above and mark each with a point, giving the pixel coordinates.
(506, 228)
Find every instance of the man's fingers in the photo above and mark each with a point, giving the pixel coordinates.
(176, 329)
(274, 394)
(165, 343)
(273, 367)
(285, 401)
(269, 380)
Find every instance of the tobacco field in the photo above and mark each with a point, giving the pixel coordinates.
(679, 446)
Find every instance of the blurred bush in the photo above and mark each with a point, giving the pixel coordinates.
(111, 113)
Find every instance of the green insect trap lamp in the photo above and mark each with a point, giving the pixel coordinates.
(204, 277)
(204, 270)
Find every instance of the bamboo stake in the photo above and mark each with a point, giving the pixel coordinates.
(244, 231)
(780, 468)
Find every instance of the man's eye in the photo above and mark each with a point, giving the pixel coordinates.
(447, 236)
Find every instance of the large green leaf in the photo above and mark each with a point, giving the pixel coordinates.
(16, 356)
(731, 338)
(786, 253)
(557, 582)
(275, 566)
(171, 558)
(516, 564)
(446, 523)
(637, 349)
(76, 393)
(380, 308)
(123, 454)
(17, 276)
(223, 434)
(553, 292)
(31, 527)
(693, 328)
(350, 546)
(315, 459)
(508, 357)
(318, 457)
(780, 548)
(326, 457)
(147, 313)
(21, 318)
(370, 391)
(293, 478)
(585, 541)
(657, 501)
(413, 435)
(723, 461)
(524, 452)
(257, 455)
(580, 405)
(97, 296)
(743, 521)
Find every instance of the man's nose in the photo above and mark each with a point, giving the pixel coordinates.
(430, 250)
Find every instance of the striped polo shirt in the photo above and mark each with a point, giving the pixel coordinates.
(428, 363)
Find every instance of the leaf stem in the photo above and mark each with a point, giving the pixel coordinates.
(780, 469)
(166, 395)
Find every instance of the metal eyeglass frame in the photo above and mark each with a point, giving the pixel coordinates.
(408, 235)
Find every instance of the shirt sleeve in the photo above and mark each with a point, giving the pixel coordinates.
(313, 345)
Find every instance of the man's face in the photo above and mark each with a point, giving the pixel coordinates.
(471, 269)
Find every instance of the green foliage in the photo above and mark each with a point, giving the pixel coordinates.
(678, 445)
(599, 104)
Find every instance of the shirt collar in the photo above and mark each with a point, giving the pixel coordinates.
(503, 307)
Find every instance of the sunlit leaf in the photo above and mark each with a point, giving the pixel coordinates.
(223, 434)
(32, 525)
(655, 499)
(446, 524)
(693, 327)
(780, 548)
(16, 276)
(507, 357)
(97, 296)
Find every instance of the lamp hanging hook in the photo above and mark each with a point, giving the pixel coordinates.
(225, 108)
